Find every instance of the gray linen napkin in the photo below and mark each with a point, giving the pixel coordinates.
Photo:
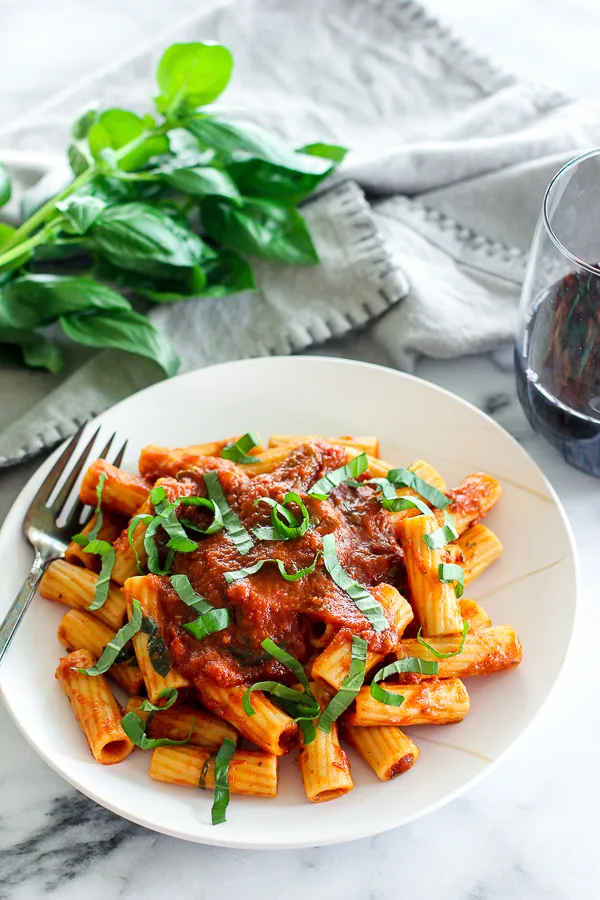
(452, 154)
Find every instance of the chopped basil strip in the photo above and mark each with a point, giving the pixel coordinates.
(145, 519)
(222, 760)
(156, 647)
(169, 695)
(445, 655)
(165, 513)
(327, 483)
(89, 543)
(210, 619)
(307, 727)
(409, 664)
(113, 648)
(231, 523)
(135, 727)
(365, 601)
(95, 531)
(406, 478)
(107, 553)
(236, 452)
(204, 770)
(285, 526)
(301, 705)
(451, 572)
(351, 685)
(289, 576)
(216, 525)
(443, 535)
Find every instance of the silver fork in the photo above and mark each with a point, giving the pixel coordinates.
(49, 539)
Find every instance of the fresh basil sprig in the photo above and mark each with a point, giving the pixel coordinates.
(167, 206)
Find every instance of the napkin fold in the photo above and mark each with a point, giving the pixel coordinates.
(422, 235)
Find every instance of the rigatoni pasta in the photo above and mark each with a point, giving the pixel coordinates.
(299, 597)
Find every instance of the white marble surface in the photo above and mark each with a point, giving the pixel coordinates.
(527, 832)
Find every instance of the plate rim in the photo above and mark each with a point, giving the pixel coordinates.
(356, 829)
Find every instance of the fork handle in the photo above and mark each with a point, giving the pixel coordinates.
(17, 610)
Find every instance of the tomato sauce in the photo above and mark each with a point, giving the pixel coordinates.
(264, 604)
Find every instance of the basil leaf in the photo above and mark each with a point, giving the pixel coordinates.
(145, 519)
(227, 273)
(230, 577)
(409, 664)
(84, 121)
(216, 525)
(325, 151)
(231, 136)
(364, 600)
(221, 801)
(406, 478)
(191, 75)
(133, 234)
(201, 181)
(81, 211)
(327, 483)
(351, 685)
(449, 572)
(260, 228)
(33, 300)
(79, 157)
(125, 330)
(115, 128)
(134, 727)
(156, 647)
(288, 660)
(238, 450)
(259, 178)
(278, 690)
(37, 351)
(288, 529)
(168, 694)
(115, 645)
(443, 535)
(234, 528)
(5, 187)
(445, 655)
(210, 619)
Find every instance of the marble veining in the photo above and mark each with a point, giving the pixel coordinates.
(529, 832)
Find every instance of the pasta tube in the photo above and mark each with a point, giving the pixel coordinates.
(386, 749)
(435, 603)
(79, 630)
(178, 722)
(485, 651)
(251, 772)
(142, 588)
(95, 708)
(434, 702)
(122, 493)
(480, 547)
(76, 586)
(323, 764)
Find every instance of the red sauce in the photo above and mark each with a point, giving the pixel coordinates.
(264, 604)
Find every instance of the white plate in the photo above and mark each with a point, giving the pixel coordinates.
(532, 587)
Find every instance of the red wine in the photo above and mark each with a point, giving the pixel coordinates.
(558, 369)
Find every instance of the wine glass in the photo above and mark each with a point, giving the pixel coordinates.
(558, 338)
